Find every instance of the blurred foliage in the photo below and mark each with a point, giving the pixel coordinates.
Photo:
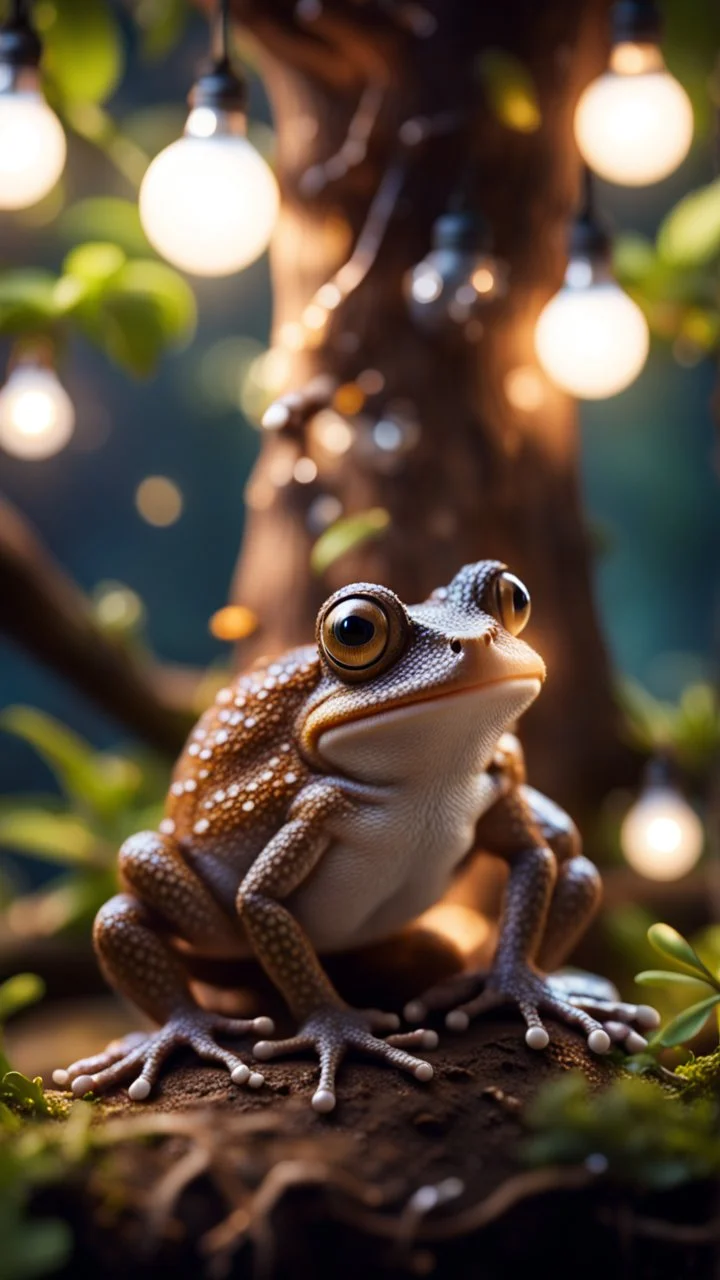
(133, 309)
(509, 90)
(690, 728)
(635, 1131)
(33, 1153)
(345, 534)
(690, 973)
(107, 797)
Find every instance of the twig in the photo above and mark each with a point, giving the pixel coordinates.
(43, 610)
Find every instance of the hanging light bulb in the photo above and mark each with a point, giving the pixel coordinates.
(661, 836)
(37, 416)
(458, 277)
(32, 141)
(634, 124)
(208, 202)
(591, 339)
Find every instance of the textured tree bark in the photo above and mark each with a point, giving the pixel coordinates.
(486, 477)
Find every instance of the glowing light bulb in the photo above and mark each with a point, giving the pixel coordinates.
(208, 202)
(661, 836)
(591, 338)
(634, 124)
(37, 416)
(32, 148)
(457, 278)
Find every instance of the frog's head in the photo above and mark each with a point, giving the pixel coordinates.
(400, 683)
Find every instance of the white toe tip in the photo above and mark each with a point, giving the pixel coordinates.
(255, 1080)
(424, 1072)
(139, 1089)
(240, 1074)
(263, 1050)
(430, 1040)
(635, 1043)
(456, 1020)
(598, 1041)
(82, 1085)
(264, 1026)
(647, 1016)
(323, 1101)
(61, 1078)
(537, 1038)
(414, 1011)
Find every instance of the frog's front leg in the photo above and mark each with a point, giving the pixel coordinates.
(131, 939)
(327, 1024)
(552, 895)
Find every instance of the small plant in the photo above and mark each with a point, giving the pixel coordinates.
(106, 797)
(635, 1131)
(18, 1094)
(689, 972)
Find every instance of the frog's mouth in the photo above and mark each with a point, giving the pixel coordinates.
(413, 728)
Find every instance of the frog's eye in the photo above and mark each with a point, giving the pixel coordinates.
(359, 637)
(513, 603)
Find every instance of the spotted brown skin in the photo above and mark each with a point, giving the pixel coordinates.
(328, 798)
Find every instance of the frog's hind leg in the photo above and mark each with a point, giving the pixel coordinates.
(575, 901)
(131, 939)
(553, 893)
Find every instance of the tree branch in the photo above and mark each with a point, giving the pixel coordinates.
(44, 612)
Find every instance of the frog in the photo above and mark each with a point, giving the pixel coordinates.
(326, 800)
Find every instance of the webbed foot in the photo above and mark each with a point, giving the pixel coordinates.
(334, 1029)
(142, 1054)
(580, 1000)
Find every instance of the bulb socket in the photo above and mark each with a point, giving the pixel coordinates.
(636, 22)
(661, 772)
(19, 45)
(219, 87)
(464, 232)
(588, 239)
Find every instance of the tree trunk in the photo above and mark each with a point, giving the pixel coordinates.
(485, 478)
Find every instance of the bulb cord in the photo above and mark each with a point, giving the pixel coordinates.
(220, 34)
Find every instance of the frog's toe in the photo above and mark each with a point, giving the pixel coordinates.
(65, 1077)
(333, 1030)
(140, 1058)
(447, 995)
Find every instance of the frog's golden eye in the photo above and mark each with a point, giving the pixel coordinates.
(513, 602)
(360, 637)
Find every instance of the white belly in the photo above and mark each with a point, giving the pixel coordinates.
(418, 785)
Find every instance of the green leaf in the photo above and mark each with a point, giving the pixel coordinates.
(670, 943)
(59, 837)
(633, 257)
(37, 1249)
(69, 757)
(690, 234)
(18, 992)
(106, 219)
(27, 1095)
(102, 783)
(146, 309)
(27, 300)
(83, 51)
(345, 535)
(661, 978)
(94, 263)
(687, 1024)
(509, 89)
(161, 23)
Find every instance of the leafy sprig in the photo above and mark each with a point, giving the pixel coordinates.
(689, 971)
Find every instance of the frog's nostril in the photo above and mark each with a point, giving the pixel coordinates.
(456, 646)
